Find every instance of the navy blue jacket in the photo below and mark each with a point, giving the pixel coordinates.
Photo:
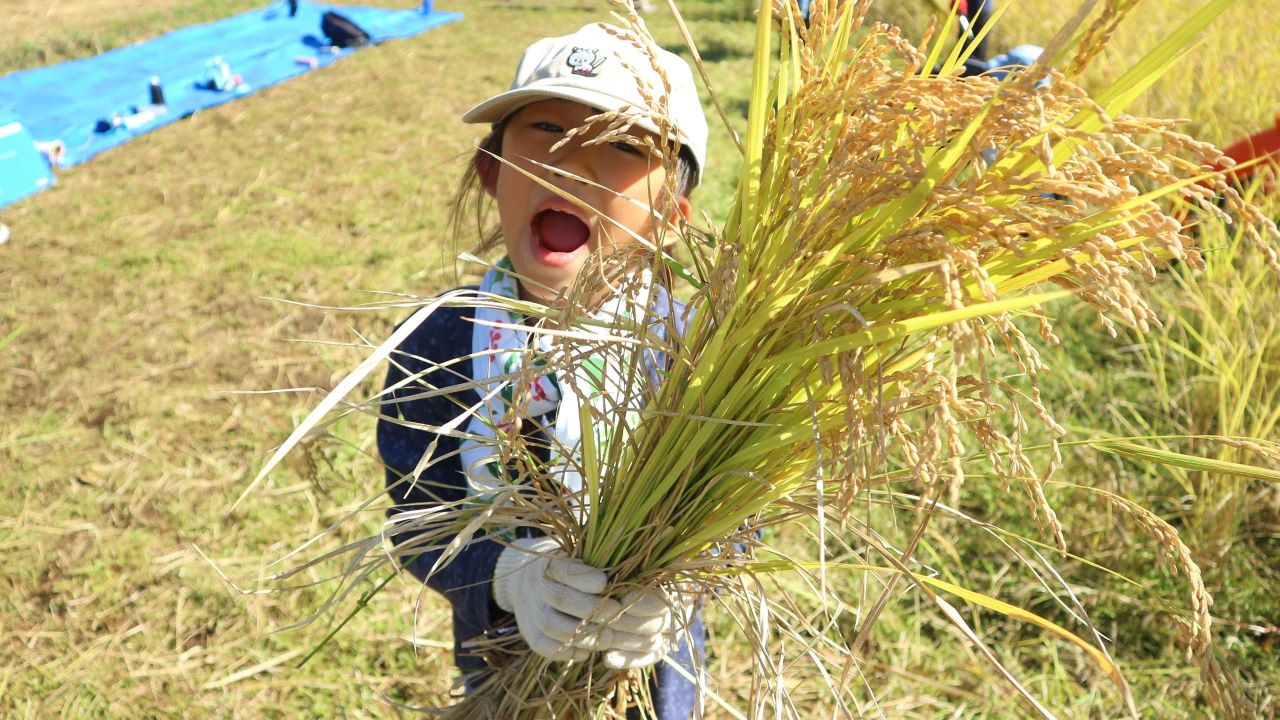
(466, 582)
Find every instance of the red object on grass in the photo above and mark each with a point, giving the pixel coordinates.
(1265, 144)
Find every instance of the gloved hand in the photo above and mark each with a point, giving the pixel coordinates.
(563, 615)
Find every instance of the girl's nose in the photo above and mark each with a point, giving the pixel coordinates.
(576, 160)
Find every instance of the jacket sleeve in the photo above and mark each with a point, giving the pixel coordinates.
(466, 581)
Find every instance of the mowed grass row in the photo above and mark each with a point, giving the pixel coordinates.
(133, 297)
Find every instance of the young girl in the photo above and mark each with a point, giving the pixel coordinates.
(529, 584)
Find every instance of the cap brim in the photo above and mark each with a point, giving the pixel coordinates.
(501, 106)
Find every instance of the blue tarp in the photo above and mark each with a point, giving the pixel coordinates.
(67, 101)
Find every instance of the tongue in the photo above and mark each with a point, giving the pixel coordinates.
(560, 231)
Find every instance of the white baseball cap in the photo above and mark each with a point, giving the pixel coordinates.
(599, 69)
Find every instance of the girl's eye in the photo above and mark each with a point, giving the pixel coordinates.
(548, 127)
(628, 148)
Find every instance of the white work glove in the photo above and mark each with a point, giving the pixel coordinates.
(562, 614)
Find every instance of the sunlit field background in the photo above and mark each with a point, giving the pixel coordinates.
(137, 306)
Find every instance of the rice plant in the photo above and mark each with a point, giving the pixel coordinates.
(891, 221)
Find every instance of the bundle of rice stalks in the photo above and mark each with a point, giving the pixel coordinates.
(891, 222)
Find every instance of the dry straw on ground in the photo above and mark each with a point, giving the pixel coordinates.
(892, 221)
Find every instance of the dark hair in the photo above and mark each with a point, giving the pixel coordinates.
(686, 172)
(472, 202)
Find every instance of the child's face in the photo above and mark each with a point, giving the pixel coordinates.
(549, 238)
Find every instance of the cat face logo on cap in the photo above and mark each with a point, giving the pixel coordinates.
(584, 61)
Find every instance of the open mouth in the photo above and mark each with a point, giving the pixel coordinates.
(559, 231)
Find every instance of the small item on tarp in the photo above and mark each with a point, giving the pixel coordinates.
(342, 32)
(53, 150)
(156, 92)
(218, 76)
(132, 120)
(137, 117)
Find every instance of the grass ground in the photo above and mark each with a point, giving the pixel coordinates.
(132, 307)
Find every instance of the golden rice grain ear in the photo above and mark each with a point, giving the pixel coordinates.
(1099, 33)
(1220, 686)
(1223, 689)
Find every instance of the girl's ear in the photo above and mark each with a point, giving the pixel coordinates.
(485, 160)
(683, 211)
(487, 170)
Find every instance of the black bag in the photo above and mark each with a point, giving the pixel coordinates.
(342, 32)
